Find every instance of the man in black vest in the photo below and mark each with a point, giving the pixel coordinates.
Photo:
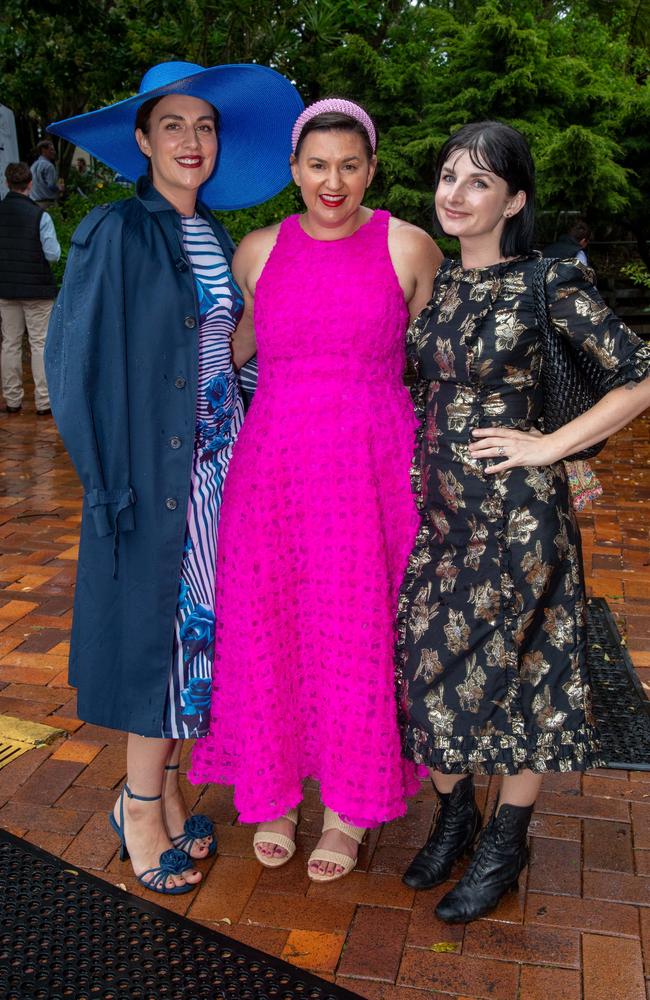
(27, 287)
(572, 244)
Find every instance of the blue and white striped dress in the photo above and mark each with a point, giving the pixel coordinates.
(219, 415)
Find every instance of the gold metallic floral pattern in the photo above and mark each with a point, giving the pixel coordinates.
(451, 490)
(559, 625)
(447, 570)
(491, 657)
(444, 358)
(520, 526)
(538, 573)
(540, 479)
(441, 718)
(470, 692)
(422, 613)
(508, 329)
(460, 408)
(533, 668)
(430, 665)
(486, 601)
(478, 533)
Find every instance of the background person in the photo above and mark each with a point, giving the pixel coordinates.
(572, 245)
(147, 403)
(318, 515)
(28, 244)
(47, 187)
(493, 641)
(81, 180)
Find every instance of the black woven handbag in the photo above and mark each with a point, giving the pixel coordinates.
(572, 382)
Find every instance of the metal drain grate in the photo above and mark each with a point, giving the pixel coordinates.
(67, 935)
(620, 706)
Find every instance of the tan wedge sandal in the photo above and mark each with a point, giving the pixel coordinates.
(331, 821)
(278, 840)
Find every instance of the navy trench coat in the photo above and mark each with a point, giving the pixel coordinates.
(122, 368)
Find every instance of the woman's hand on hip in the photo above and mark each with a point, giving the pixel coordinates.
(509, 448)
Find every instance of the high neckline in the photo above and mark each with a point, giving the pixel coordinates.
(476, 274)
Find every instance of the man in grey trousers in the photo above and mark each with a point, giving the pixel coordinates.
(27, 287)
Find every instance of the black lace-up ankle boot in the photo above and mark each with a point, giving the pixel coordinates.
(501, 855)
(457, 823)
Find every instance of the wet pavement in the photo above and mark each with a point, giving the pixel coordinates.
(579, 928)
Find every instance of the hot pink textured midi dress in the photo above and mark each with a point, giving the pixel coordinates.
(317, 524)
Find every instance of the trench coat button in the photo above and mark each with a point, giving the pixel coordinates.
(171, 503)
(190, 322)
(180, 382)
(174, 442)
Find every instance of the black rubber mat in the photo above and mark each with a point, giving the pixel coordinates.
(67, 935)
(620, 706)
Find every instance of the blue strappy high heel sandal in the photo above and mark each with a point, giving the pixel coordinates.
(196, 828)
(172, 862)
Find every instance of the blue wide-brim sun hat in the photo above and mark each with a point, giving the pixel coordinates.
(257, 108)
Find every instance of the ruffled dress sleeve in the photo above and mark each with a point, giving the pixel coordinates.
(579, 313)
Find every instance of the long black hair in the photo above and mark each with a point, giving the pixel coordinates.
(504, 151)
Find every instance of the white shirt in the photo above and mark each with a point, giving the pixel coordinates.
(49, 241)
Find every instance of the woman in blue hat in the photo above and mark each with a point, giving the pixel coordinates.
(146, 400)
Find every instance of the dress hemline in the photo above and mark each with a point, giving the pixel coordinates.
(397, 810)
(567, 750)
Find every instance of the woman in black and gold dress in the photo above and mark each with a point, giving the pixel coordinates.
(492, 650)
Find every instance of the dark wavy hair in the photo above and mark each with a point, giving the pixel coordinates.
(504, 151)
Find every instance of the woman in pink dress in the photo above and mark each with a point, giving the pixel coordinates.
(318, 518)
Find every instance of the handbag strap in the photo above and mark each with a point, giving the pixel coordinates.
(540, 300)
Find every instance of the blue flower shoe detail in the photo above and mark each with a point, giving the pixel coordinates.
(196, 828)
(174, 861)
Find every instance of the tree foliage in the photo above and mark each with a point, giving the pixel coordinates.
(574, 75)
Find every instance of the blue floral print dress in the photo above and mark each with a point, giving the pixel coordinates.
(219, 417)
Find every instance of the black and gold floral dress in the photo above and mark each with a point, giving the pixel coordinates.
(491, 656)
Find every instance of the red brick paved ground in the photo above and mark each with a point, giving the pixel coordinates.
(580, 926)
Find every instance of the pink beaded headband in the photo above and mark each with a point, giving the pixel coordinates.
(339, 105)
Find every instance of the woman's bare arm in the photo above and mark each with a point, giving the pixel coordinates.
(416, 259)
(247, 265)
(609, 415)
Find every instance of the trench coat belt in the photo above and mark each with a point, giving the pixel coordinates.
(123, 499)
